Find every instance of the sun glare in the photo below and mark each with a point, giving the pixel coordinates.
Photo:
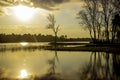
(23, 73)
(24, 43)
(23, 13)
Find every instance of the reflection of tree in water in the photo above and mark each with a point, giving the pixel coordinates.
(52, 63)
(102, 66)
(52, 74)
(116, 66)
(2, 74)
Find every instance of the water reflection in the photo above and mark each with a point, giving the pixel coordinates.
(13, 47)
(116, 66)
(45, 65)
(3, 49)
(23, 74)
(52, 73)
(102, 66)
(24, 43)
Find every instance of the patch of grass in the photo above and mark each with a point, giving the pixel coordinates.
(93, 48)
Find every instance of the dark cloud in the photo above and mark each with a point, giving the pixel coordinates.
(50, 4)
(47, 4)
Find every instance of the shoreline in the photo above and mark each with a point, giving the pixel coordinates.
(110, 48)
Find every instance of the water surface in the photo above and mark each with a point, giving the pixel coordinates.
(71, 65)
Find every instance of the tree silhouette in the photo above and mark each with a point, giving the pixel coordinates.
(107, 11)
(115, 26)
(52, 25)
(97, 69)
(91, 18)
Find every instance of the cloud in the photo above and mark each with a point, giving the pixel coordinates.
(51, 4)
(45, 4)
(3, 4)
(48, 4)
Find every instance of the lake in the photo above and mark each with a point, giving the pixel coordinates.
(69, 65)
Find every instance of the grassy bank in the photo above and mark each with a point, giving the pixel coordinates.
(87, 47)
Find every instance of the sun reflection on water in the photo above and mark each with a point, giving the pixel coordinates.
(23, 73)
(24, 43)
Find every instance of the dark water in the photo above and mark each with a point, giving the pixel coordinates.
(32, 64)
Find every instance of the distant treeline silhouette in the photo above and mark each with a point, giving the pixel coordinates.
(6, 38)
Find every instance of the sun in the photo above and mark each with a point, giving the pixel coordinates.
(23, 13)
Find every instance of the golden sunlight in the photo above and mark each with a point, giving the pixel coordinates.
(24, 43)
(23, 73)
(23, 13)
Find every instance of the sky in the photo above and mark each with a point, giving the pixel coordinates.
(33, 18)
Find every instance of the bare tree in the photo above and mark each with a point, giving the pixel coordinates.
(115, 21)
(52, 25)
(91, 18)
(97, 17)
(107, 12)
(85, 22)
(115, 26)
(99, 25)
(116, 4)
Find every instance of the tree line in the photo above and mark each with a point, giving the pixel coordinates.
(6, 38)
